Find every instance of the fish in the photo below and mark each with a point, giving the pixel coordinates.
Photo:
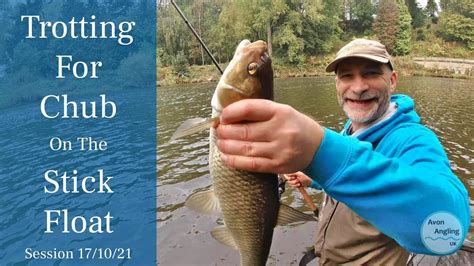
(249, 202)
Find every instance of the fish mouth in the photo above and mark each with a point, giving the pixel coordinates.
(264, 57)
(264, 60)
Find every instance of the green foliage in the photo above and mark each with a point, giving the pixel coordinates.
(267, 12)
(431, 10)
(418, 17)
(393, 26)
(323, 33)
(297, 30)
(223, 24)
(359, 16)
(172, 34)
(288, 39)
(281, 23)
(420, 34)
(436, 46)
(462, 7)
(235, 24)
(180, 65)
(456, 27)
(403, 36)
(457, 22)
(385, 25)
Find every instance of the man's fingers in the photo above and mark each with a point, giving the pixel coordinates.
(245, 148)
(251, 164)
(294, 183)
(246, 131)
(247, 110)
(291, 176)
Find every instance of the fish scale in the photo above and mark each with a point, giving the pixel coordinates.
(249, 204)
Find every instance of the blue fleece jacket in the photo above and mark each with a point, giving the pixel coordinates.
(400, 183)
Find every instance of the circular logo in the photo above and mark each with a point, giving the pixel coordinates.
(442, 233)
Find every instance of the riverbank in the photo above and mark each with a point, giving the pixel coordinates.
(405, 66)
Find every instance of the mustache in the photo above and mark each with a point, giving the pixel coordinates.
(365, 95)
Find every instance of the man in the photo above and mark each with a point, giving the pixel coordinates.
(389, 184)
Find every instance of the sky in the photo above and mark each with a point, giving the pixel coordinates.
(422, 2)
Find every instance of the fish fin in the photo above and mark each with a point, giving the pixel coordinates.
(204, 202)
(223, 235)
(288, 215)
(192, 126)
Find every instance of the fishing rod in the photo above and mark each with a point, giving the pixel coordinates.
(197, 36)
(305, 195)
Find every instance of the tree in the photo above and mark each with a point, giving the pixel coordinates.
(172, 34)
(431, 10)
(418, 17)
(288, 37)
(462, 7)
(180, 65)
(403, 36)
(320, 34)
(232, 26)
(198, 11)
(358, 16)
(456, 27)
(280, 22)
(267, 14)
(362, 17)
(457, 21)
(393, 26)
(385, 25)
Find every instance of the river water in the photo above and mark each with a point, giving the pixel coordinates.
(445, 106)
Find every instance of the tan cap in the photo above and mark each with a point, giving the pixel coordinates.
(364, 48)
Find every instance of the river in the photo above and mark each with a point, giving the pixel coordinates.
(445, 106)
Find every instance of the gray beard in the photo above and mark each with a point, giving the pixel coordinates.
(381, 109)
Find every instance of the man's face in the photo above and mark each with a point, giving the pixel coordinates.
(364, 88)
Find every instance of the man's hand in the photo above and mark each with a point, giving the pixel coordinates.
(298, 179)
(264, 136)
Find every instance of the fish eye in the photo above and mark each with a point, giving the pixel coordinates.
(252, 68)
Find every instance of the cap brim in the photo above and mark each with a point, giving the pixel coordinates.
(332, 66)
